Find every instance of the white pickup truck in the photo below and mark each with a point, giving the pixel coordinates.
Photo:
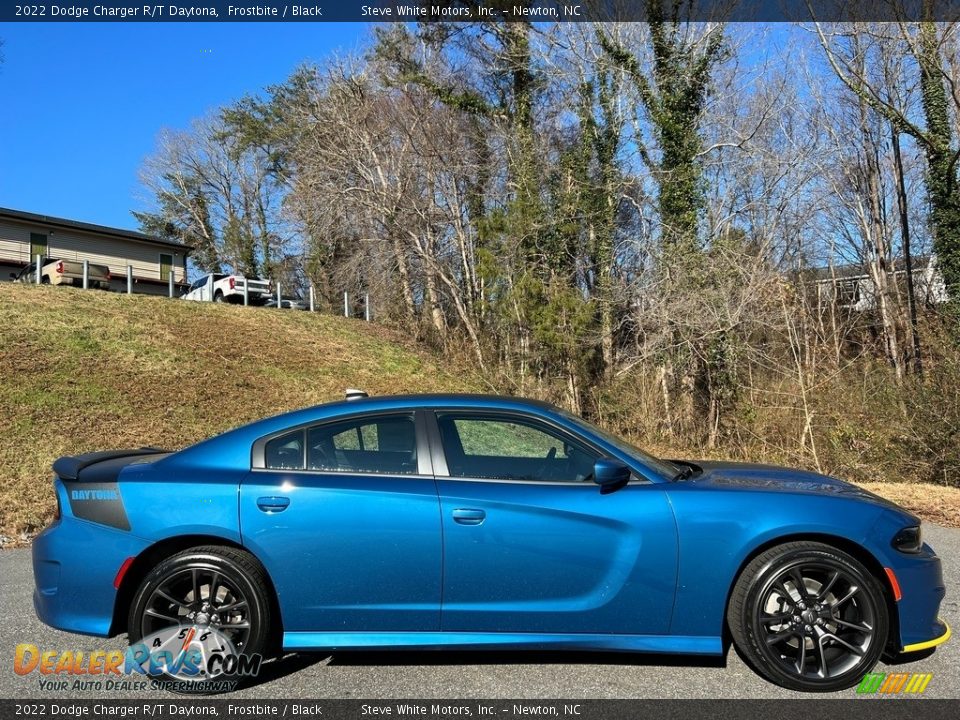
(229, 288)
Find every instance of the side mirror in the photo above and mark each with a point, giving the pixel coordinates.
(610, 473)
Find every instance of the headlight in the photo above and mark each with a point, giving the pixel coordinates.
(908, 540)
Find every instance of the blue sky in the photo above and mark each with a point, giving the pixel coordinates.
(81, 104)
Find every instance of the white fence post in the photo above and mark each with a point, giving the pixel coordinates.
(129, 279)
(312, 301)
(39, 261)
(86, 274)
(246, 292)
(279, 300)
(366, 306)
(170, 283)
(346, 304)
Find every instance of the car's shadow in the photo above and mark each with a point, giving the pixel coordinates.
(520, 657)
(291, 663)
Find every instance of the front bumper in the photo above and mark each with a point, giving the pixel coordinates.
(927, 644)
(74, 565)
(921, 582)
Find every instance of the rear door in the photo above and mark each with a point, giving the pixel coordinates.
(345, 516)
(532, 545)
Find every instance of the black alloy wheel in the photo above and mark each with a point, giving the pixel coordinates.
(204, 589)
(809, 617)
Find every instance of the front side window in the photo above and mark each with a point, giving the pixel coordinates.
(385, 444)
(507, 448)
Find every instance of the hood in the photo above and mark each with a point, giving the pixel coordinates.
(773, 478)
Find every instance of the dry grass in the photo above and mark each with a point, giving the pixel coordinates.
(935, 503)
(82, 371)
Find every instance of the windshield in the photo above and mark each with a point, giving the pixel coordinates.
(664, 467)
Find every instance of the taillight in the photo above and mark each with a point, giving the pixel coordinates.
(233, 283)
(59, 268)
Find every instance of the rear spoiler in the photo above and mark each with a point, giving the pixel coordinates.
(69, 466)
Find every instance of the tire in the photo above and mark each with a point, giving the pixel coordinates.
(219, 297)
(808, 617)
(236, 581)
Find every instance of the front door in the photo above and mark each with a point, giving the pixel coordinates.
(531, 545)
(345, 516)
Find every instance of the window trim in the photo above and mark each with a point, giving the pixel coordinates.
(438, 456)
(424, 460)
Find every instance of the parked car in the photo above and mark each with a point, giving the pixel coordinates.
(65, 272)
(229, 288)
(466, 521)
(287, 303)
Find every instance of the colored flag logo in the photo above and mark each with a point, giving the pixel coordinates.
(894, 683)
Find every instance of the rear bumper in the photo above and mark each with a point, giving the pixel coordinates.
(77, 281)
(74, 565)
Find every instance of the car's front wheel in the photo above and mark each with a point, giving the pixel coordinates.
(809, 616)
(204, 601)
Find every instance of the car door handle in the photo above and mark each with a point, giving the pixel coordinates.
(273, 504)
(467, 516)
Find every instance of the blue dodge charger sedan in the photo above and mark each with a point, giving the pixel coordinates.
(465, 521)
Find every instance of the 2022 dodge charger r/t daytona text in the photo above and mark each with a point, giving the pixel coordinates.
(464, 521)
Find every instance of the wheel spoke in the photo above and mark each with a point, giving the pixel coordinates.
(853, 591)
(233, 606)
(769, 618)
(153, 613)
(822, 669)
(864, 628)
(195, 574)
(798, 582)
(825, 588)
(214, 586)
(172, 600)
(783, 592)
(780, 636)
(802, 655)
(852, 648)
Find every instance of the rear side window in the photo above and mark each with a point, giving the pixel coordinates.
(379, 445)
(284, 452)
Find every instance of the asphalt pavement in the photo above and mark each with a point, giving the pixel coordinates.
(470, 674)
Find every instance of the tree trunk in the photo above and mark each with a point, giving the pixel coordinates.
(403, 269)
(907, 256)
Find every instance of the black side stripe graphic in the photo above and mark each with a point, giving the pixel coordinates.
(98, 502)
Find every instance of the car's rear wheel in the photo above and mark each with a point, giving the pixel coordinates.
(219, 297)
(210, 599)
(809, 616)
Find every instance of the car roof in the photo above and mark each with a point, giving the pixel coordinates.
(428, 400)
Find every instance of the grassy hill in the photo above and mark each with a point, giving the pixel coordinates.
(83, 371)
